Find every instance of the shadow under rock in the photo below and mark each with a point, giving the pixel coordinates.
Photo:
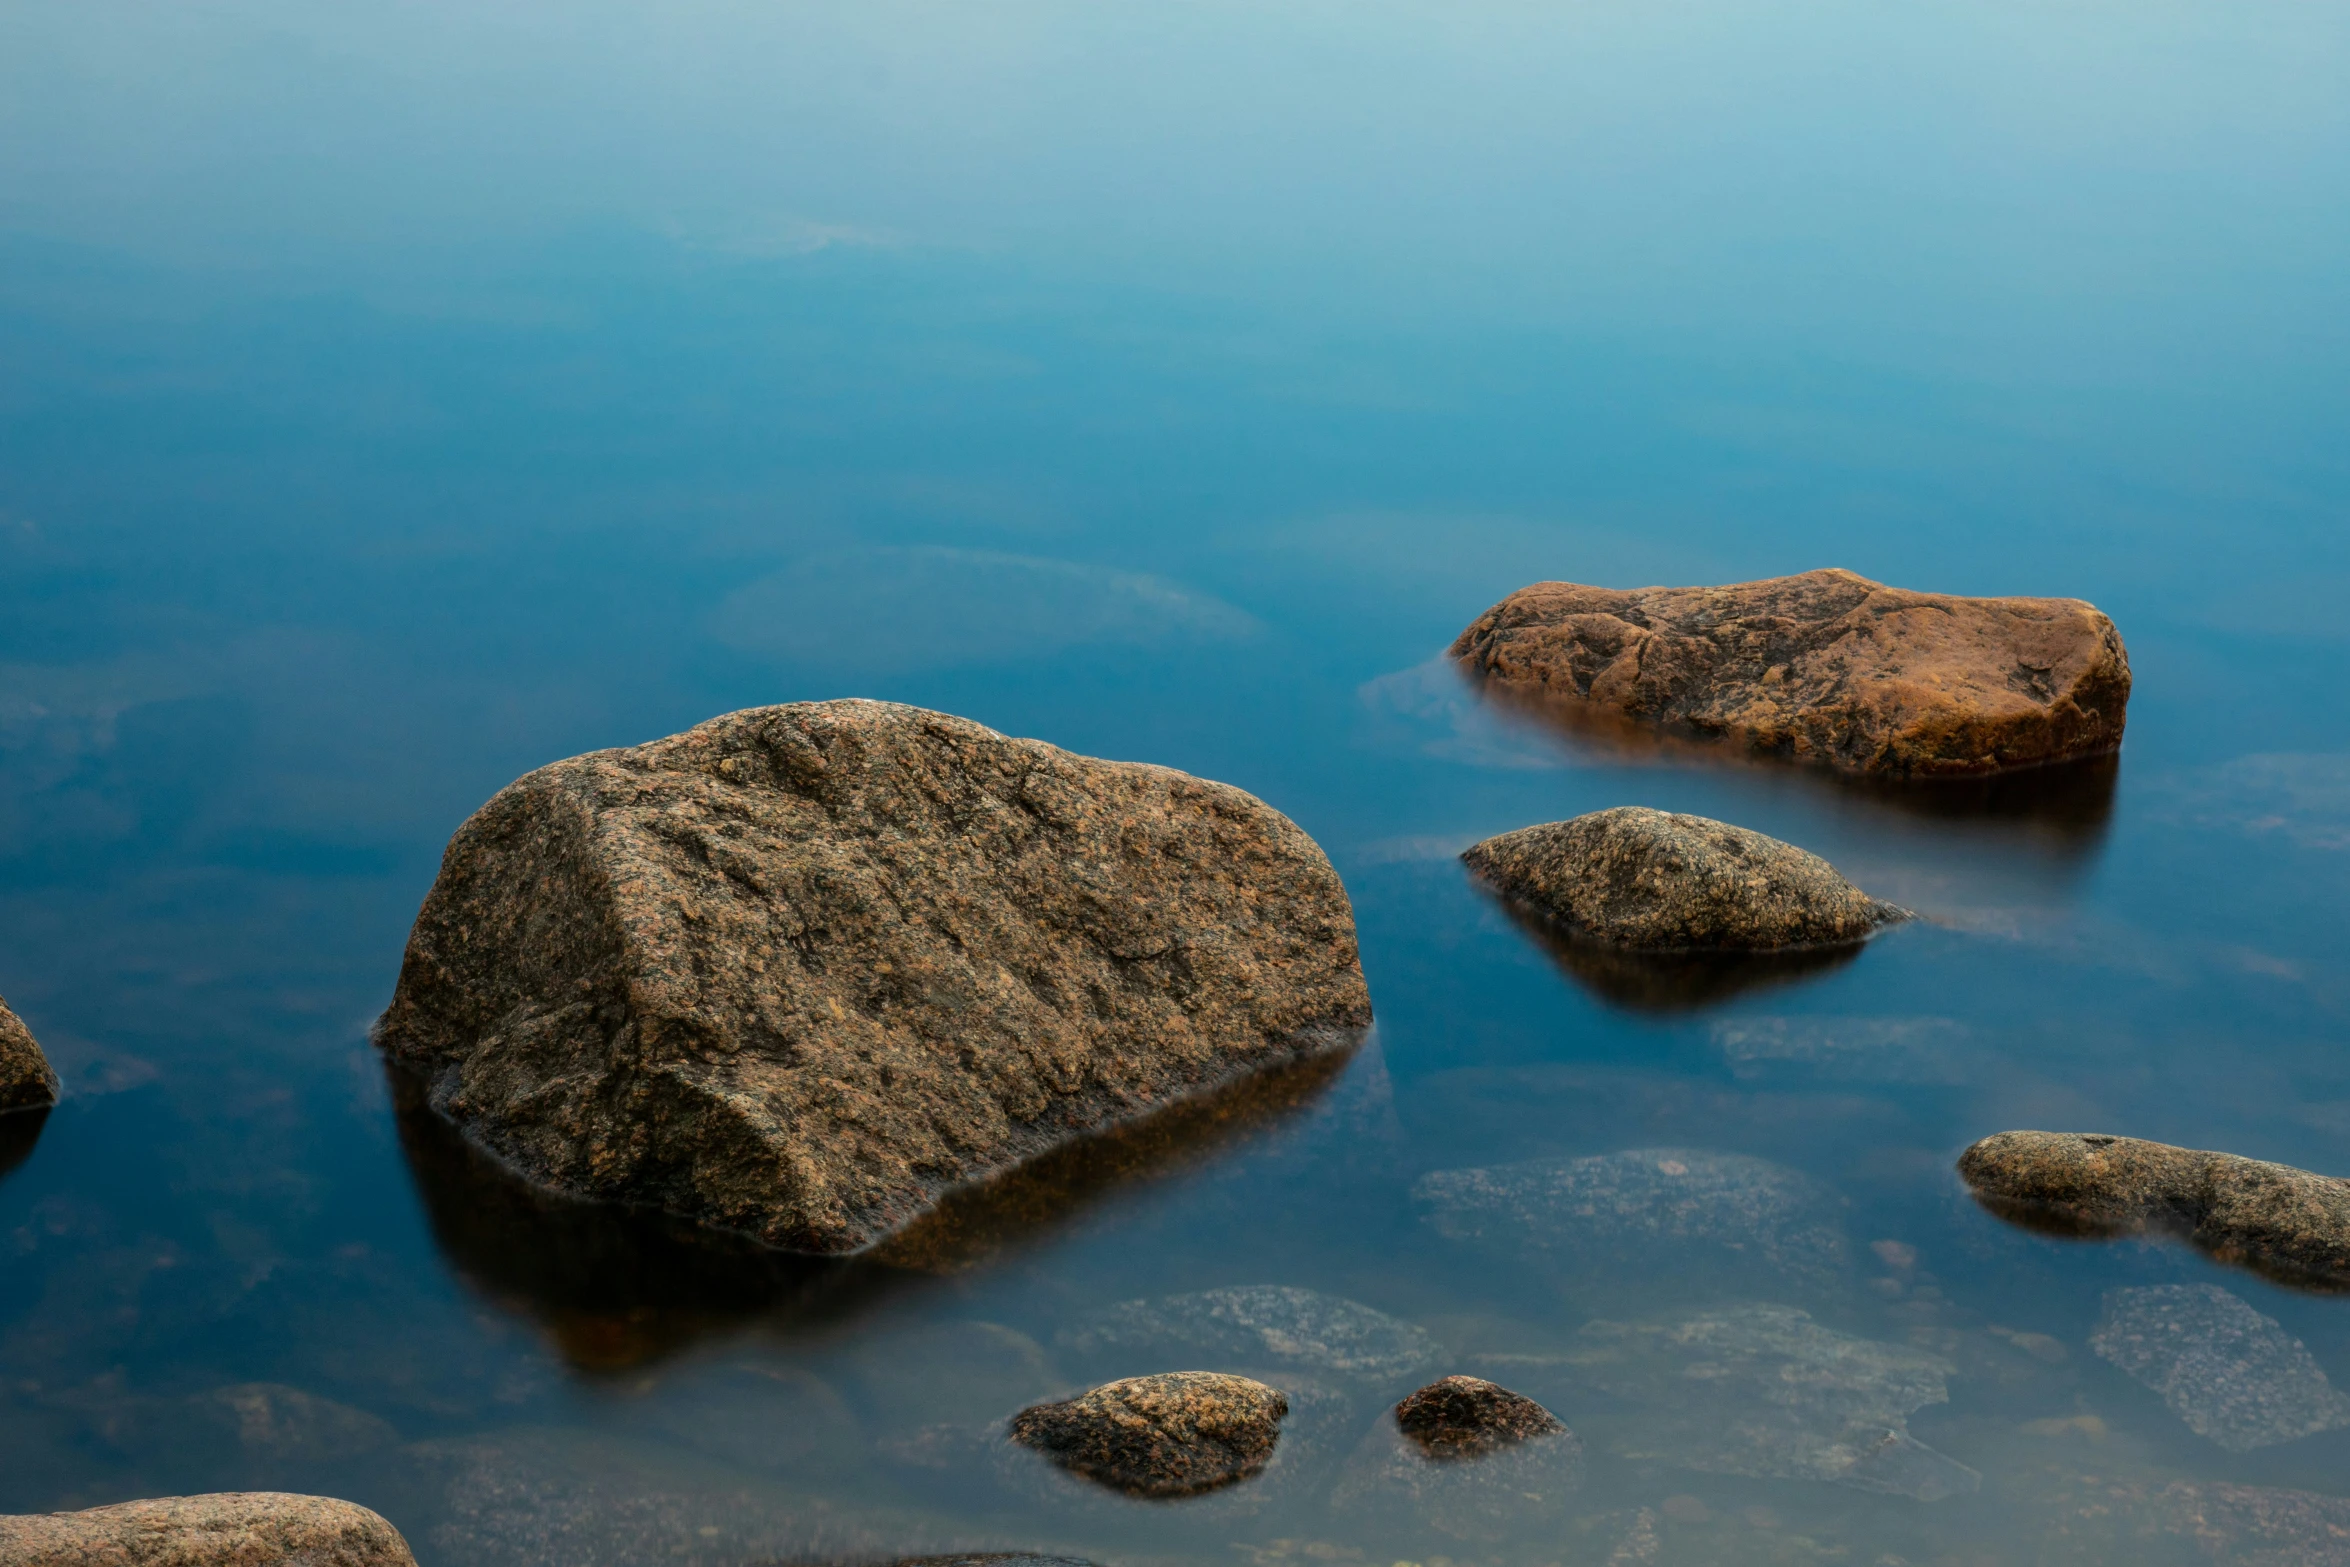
(618, 1287)
(2060, 1222)
(1667, 982)
(19, 1131)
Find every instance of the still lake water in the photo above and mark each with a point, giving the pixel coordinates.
(392, 403)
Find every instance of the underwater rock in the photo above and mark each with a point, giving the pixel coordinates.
(1903, 1050)
(1585, 1216)
(1465, 1458)
(26, 1080)
(1659, 881)
(225, 1529)
(1825, 666)
(1258, 1326)
(2281, 1221)
(1764, 1391)
(801, 970)
(270, 1419)
(2233, 1374)
(2105, 1519)
(1178, 1433)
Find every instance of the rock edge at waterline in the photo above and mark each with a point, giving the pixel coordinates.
(801, 970)
(27, 1082)
(1825, 666)
(221, 1529)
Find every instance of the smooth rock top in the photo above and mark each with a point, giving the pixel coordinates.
(26, 1081)
(1175, 1434)
(2272, 1217)
(1661, 881)
(1469, 1417)
(800, 970)
(2231, 1373)
(1824, 667)
(226, 1529)
(1262, 1325)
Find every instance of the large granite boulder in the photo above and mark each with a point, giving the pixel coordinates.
(1661, 881)
(2276, 1219)
(1179, 1433)
(226, 1529)
(26, 1081)
(801, 970)
(1823, 667)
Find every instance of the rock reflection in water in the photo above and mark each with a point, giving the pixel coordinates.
(1669, 982)
(19, 1131)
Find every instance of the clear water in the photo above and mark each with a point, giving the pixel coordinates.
(392, 402)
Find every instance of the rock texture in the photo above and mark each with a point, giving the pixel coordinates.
(800, 970)
(1468, 1417)
(227, 1529)
(2282, 1221)
(1464, 1458)
(26, 1081)
(2233, 1374)
(1179, 1433)
(1823, 667)
(1660, 881)
(1260, 1327)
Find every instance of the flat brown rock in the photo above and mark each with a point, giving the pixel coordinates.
(2272, 1217)
(1175, 1434)
(1823, 667)
(802, 970)
(226, 1529)
(26, 1081)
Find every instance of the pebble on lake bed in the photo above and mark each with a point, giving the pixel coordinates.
(1661, 881)
(1175, 1434)
(26, 1080)
(2233, 1374)
(2288, 1223)
(1466, 1458)
(223, 1529)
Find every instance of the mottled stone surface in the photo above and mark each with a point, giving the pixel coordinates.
(2233, 1374)
(1178, 1433)
(1255, 1326)
(1468, 1417)
(2288, 1223)
(1633, 1208)
(2103, 1518)
(1660, 881)
(1824, 667)
(26, 1081)
(226, 1529)
(1908, 1050)
(1464, 1458)
(801, 970)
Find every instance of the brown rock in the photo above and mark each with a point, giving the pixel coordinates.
(1465, 1458)
(1825, 667)
(1176, 1434)
(1469, 1417)
(1660, 881)
(26, 1081)
(2285, 1222)
(801, 970)
(226, 1529)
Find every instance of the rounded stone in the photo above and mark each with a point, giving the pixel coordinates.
(1179, 1433)
(26, 1080)
(1468, 1417)
(223, 1529)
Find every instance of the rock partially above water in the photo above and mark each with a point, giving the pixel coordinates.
(1469, 1417)
(226, 1529)
(1178, 1433)
(1660, 881)
(1826, 666)
(26, 1081)
(1257, 1326)
(1465, 1458)
(2285, 1222)
(800, 970)
(2231, 1373)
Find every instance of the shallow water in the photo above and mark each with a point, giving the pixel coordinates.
(390, 405)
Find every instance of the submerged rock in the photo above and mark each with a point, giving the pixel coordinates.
(1763, 1390)
(2231, 1373)
(1179, 1433)
(800, 970)
(26, 1080)
(2272, 1217)
(1659, 881)
(1631, 1209)
(1257, 1326)
(272, 1420)
(1826, 667)
(1465, 1458)
(225, 1529)
(1897, 1050)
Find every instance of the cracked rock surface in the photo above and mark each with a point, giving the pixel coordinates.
(1825, 666)
(801, 970)
(26, 1080)
(1662, 881)
(223, 1529)
(1179, 1433)
(2233, 1374)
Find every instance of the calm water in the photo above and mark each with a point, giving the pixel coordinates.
(392, 403)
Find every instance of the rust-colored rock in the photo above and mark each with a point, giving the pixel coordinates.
(26, 1080)
(1179, 1433)
(1823, 667)
(225, 1529)
(801, 970)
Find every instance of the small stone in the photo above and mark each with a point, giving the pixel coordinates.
(1179, 1433)
(1824, 667)
(26, 1080)
(1660, 881)
(1469, 1417)
(1465, 1458)
(2281, 1221)
(224, 1529)
(2233, 1374)
(1260, 1326)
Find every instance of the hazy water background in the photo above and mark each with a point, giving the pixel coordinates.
(390, 403)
